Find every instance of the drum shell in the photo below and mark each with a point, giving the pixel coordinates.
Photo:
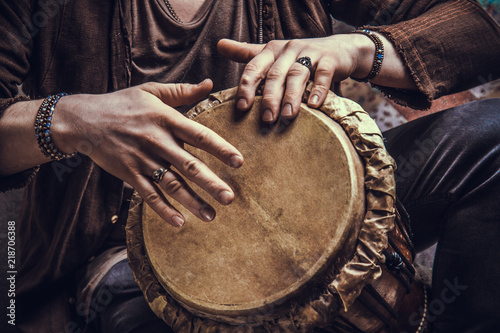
(276, 311)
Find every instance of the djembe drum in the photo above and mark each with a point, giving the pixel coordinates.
(312, 240)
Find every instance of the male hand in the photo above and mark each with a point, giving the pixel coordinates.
(332, 59)
(142, 132)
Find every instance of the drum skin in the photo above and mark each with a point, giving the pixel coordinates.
(299, 202)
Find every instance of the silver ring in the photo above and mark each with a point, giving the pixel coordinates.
(305, 61)
(158, 174)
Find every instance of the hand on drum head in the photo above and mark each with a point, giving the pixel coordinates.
(141, 132)
(326, 60)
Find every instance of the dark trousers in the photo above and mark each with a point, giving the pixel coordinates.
(448, 179)
(126, 309)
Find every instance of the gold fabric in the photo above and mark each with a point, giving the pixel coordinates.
(380, 188)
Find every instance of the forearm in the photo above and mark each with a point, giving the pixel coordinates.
(446, 46)
(131, 134)
(18, 145)
(451, 47)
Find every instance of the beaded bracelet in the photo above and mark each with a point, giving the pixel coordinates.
(43, 123)
(379, 53)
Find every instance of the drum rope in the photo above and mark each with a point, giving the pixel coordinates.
(348, 326)
(375, 294)
(401, 273)
(422, 325)
(407, 265)
(376, 312)
(405, 217)
(403, 223)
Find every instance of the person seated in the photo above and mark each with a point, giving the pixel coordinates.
(126, 65)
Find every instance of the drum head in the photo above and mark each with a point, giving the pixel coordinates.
(299, 202)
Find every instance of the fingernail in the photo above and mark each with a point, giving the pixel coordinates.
(267, 116)
(236, 161)
(178, 221)
(242, 104)
(314, 99)
(225, 197)
(207, 214)
(287, 110)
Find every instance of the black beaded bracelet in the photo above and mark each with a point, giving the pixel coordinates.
(379, 53)
(43, 123)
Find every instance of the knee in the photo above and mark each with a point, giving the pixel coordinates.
(124, 308)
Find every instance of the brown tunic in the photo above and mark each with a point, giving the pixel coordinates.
(164, 50)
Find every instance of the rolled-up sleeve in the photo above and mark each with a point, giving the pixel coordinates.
(17, 30)
(447, 46)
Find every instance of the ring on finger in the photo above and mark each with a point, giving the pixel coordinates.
(305, 61)
(158, 174)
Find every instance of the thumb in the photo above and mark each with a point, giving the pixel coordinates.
(237, 51)
(177, 94)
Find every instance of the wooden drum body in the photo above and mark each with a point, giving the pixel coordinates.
(289, 241)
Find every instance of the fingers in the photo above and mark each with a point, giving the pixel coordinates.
(323, 77)
(196, 171)
(153, 196)
(284, 70)
(253, 74)
(204, 138)
(170, 148)
(296, 80)
(286, 82)
(179, 93)
(199, 173)
(257, 57)
(176, 188)
(237, 51)
(286, 79)
(167, 145)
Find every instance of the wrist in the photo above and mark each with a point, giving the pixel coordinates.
(63, 131)
(366, 52)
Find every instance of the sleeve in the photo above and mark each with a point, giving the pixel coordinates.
(17, 28)
(447, 46)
